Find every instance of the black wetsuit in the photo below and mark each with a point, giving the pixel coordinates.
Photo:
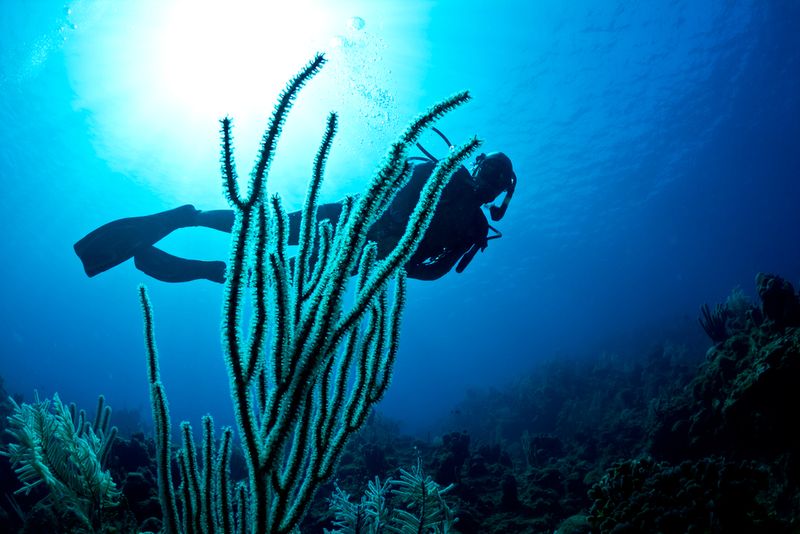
(458, 226)
(457, 231)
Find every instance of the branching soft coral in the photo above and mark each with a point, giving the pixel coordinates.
(413, 503)
(53, 445)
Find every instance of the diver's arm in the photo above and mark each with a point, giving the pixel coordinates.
(474, 239)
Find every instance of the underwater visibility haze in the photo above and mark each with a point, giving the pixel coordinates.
(656, 148)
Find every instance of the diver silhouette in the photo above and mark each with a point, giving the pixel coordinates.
(458, 230)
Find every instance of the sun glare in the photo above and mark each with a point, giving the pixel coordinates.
(156, 76)
(217, 58)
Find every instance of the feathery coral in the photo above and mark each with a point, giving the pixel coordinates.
(58, 448)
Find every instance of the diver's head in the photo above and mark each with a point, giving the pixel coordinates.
(494, 174)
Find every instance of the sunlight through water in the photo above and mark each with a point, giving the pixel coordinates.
(156, 77)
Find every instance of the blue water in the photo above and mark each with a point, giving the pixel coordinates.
(657, 147)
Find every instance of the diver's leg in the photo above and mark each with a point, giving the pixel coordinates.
(168, 268)
(330, 211)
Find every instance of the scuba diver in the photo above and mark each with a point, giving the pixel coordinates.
(458, 230)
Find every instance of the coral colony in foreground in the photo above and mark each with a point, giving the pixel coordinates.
(308, 371)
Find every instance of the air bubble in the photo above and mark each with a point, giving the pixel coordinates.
(356, 23)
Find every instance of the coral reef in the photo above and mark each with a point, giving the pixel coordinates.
(667, 438)
(779, 303)
(743, 395)
(708, 495)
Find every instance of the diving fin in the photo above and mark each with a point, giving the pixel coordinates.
(168, 268)
(221, 220)
(120, 240)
